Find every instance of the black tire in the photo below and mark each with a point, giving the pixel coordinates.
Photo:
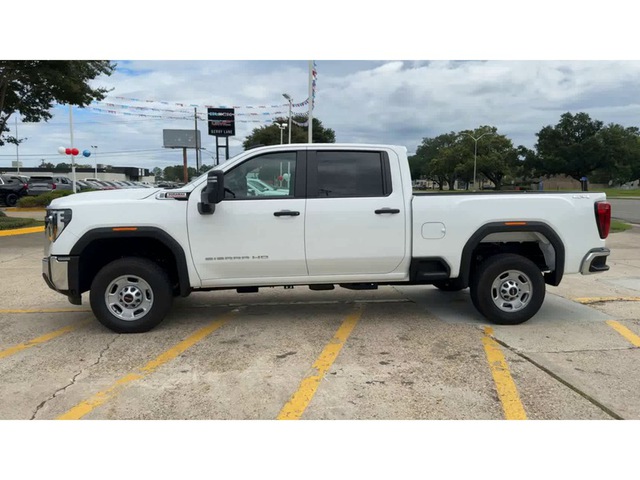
(140, 292)
(449, 285)
(507, 289)
(11, 199)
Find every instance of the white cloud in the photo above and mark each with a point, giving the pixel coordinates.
(397, 102)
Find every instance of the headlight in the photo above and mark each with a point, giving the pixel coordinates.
(55, 221)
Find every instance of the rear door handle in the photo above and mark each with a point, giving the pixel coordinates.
(387, 210)
(286, 213)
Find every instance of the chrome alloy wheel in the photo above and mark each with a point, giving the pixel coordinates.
(511, 291)
(129, 297)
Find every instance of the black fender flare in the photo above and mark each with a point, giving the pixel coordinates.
(106, 233)
(552, 278)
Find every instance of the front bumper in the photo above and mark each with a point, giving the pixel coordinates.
(595, 261)
(61, 275)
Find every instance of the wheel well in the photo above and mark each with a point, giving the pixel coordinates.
(530, 250)
(536, 241)
(100, 252)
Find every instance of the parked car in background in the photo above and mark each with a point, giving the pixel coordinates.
(39, 184)
(12, 187)
(81, 185)
(258, 188)
(102, 185)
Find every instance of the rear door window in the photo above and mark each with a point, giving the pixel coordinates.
(350, 174)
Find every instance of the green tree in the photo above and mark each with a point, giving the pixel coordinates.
(496, 156)
(417, 165)
(572, 147)
(157, 173)
(270, 134)
(31, 87)
(450, 157)
(431, 162)
(46, 165)
(175, 173)
(621, 151)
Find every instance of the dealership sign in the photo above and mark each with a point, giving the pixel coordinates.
(221, 122)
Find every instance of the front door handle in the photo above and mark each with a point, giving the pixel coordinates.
(286, 213)
(387, 210)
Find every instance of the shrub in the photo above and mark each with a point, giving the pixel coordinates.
(42, 200)
(7, 223)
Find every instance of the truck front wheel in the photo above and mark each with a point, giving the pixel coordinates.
(131, 295)
(507, 289)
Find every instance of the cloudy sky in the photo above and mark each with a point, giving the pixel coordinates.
(415, 93)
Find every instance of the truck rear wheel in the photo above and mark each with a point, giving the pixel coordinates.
(131, 295)
(507, 289)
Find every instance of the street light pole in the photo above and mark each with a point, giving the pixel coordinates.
(288, 97)
(73, 158)
(281, 126)
(475, 155)
(95, 158)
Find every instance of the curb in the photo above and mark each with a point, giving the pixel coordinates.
(21, 231)
(16, 209)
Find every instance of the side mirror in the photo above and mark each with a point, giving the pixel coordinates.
(213, 193)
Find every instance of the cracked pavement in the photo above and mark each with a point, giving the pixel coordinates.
(416, 353)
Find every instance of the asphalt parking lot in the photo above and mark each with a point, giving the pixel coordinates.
(395, 353)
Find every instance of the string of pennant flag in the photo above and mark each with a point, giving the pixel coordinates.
(167, 117)
(127, 109)
(184, 105)
(187, 113)
(314, 75)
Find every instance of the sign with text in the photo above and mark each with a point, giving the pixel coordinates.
(222, 122)
(180, 138)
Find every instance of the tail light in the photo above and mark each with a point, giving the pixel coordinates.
(603, 218)
(53, 186)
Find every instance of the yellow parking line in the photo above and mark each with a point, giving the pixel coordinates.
(87, 406)
(21, 231)
(507, 391)
(46, 310)
(299, 401)
(625, 332)
(590, 300)
(44, 338)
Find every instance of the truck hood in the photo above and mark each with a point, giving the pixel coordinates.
(104, 196)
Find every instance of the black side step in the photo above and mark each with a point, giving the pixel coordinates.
(359, 286)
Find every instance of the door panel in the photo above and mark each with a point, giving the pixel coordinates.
(257, 231)
(356, 222)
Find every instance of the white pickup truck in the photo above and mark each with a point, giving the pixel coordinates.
(350, 218)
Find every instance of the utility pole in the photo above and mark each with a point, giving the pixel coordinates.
(17, 147)
(195, 117)
(310, 139)
(73, 159)
(95, 158)
(288, 97)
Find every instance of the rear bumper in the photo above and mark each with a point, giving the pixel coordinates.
(595, 261)
(61, 274)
